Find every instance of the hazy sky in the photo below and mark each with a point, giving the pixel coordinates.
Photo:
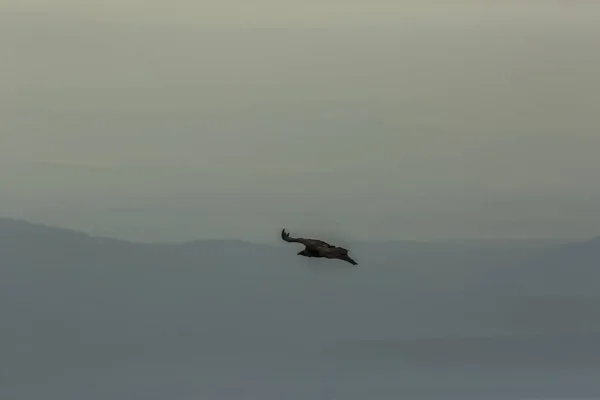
(160, 120)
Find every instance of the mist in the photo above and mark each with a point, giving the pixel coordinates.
(450, 122)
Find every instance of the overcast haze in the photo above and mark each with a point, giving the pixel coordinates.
(358, 120)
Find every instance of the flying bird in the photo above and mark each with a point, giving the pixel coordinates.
(318, 248)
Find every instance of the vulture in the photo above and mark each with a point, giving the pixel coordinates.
(318, 248)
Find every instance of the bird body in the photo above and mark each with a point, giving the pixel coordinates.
(318, 248)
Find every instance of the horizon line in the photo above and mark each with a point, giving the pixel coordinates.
(440, 240)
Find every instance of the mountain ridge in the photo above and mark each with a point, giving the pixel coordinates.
(267, 291)
(26, 226)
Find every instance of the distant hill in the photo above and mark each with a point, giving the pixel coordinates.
(61, 281)
(571, 269)
(79, 301)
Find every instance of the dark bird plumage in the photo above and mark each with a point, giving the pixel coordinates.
(318, 248)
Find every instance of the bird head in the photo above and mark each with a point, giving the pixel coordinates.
(303, 253)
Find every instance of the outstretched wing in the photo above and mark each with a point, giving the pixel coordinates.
(336, 252)
(309, 243)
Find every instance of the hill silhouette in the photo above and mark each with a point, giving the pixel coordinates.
(60, 262)
(78, 298)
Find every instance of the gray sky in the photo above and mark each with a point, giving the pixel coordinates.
(158, 120)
